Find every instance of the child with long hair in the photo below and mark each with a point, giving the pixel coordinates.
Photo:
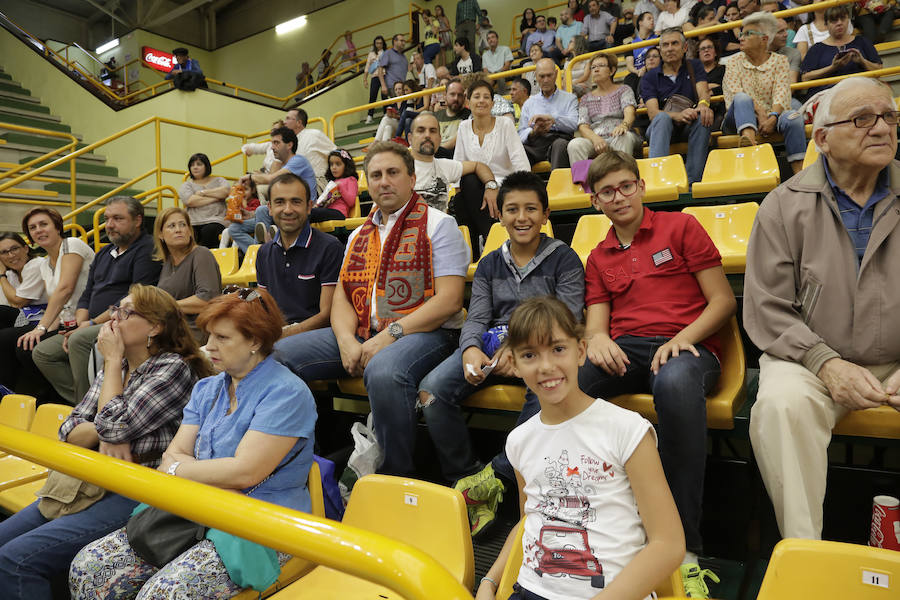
(590, 479)
(339, 196)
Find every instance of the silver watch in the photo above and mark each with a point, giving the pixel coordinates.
(173, 467)
(491, 185)
(395, 330)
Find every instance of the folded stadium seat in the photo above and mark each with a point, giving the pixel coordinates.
(881, 422)
(429, 517)
(15, 471)
(541, 167)
(748, 170)
(496, 236)
(812, 155)
(464, 230)
(679, 148)
(728, 396)
(734, 140)
(830, 571)
(564, 194)
(247, 273)
(15, 499)
(17, 410)
(352, 221)
(590, 231)
(362, 185)
(665, 178)
(296, 567)
(227, 258)
(670, 587)
(729, 227)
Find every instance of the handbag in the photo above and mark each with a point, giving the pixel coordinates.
(158, 536)
(64, 495)
(679, 102)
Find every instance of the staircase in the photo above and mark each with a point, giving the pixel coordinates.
(94, 176)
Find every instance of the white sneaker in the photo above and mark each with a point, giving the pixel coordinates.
(369, 120)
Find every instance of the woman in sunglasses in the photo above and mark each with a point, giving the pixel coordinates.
(248, 429)
(131, 411)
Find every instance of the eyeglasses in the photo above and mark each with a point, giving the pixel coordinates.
(626, 188)
(122, 313)
(891, 117)
(246, 294)
(11, 250)
(749, 32)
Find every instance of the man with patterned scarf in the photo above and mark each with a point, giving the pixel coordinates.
(397, 308)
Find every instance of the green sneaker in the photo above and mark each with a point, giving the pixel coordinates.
(692, 577)
(483, 493)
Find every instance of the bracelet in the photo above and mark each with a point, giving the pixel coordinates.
(486, 578)
(704, 103)
(91, 322)
(773, 114)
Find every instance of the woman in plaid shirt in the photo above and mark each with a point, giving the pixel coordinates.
(131, 412)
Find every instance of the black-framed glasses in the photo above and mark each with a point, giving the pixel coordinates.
(245, 293)
(626, 188)
(122, 313)
(864, 121)
(10, 251)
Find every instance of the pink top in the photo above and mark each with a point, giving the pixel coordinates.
(348, 187)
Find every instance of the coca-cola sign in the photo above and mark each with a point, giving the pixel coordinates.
(157, 59)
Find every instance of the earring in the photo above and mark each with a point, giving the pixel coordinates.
(253, 352)
(149, 340)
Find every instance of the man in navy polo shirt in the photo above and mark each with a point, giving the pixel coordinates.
(684, 77)
(300, 266)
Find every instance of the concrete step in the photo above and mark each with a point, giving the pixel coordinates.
(14, 88)
(21, 98)
(27, 112)
(92, 166)
(29, 121)
(92, 190)
(26, 105)
(34, 140)
(84, 172)
(22, 153)
(5, 76)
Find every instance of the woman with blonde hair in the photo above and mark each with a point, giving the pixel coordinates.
(189, 272)
(131, 412)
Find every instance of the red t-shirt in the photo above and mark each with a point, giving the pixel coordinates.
(650, 285)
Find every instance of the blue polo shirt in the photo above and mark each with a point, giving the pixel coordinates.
(295, 276)
(655, 84)
(859, 219)
(299, 166)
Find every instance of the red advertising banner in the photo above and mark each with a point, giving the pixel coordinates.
(157, 59)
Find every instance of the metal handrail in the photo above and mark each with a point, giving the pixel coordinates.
(145, 197)
(407, 571)
(73, 143)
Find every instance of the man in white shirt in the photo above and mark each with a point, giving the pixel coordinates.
(312, 144)
(496, 58)
(425, 72)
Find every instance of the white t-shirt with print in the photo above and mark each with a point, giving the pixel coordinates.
(464, 66)
(581, 520)
(434, 179)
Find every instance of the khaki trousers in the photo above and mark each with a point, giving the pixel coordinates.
(790, 429)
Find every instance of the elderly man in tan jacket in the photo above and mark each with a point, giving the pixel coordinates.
(822, 297)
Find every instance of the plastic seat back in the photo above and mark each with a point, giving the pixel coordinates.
(830, 571)
(227, 258)
(363, 184)
(48, 418)
(247, 273)
(812, 155)
(590, 231)
(496, 236)
(17, 410)
(729, 227)
(429, 517)
(316, 495)
(565, 195)
(734, 171)
(665, 178)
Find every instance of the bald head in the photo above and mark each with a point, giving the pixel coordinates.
(424, 136)
(545, 75)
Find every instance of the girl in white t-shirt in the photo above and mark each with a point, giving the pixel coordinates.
(599, 516)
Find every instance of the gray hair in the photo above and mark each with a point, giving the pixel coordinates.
(134, 207)
(823, 111)
(765, 21)
(673, 30)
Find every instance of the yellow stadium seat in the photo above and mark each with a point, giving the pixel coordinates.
(504, 396)
(429, 517)
(247, 273)
(542, 167)
(464, 230)
(729, 227)
(227, 258)
(671, 586)
(17, 410)
(15, 499)
(363, 185)
(830, 571)
(296, 567)
(496, 236)
(749, 170)
(665, 178)
(812, 155)
(729, 394)
(352, 218)
(16, 471)
(565, 195)
(590, 231)
(881, 422)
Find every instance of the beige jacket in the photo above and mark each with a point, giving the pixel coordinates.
(804, 299)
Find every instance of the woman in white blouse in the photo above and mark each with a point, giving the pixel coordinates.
(813, 32)
(491, 141)
(56, 280)
(675, 14)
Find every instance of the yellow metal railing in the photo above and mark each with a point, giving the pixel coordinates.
(73, 142)
(145, 197)
(409, 572)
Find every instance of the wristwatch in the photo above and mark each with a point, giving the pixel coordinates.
(173, 467)
(773, 114)
(42, 328)
(395, 330)
(491, 185)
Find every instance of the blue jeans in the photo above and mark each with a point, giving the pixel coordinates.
(405, 123)
(242, 233)
(263, 216)
(741, 115)
(448, 429)
(660, 133)
(679, 395)
(33, 549)
(429, 52)
(391, 378)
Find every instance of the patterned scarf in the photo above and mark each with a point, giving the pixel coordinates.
(403, 273)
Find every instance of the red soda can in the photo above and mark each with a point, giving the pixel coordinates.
(885, 531)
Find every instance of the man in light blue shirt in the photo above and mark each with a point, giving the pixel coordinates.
(565, 33)
(548, 119)
(544, 38)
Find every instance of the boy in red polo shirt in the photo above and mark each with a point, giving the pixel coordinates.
(656, 295)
